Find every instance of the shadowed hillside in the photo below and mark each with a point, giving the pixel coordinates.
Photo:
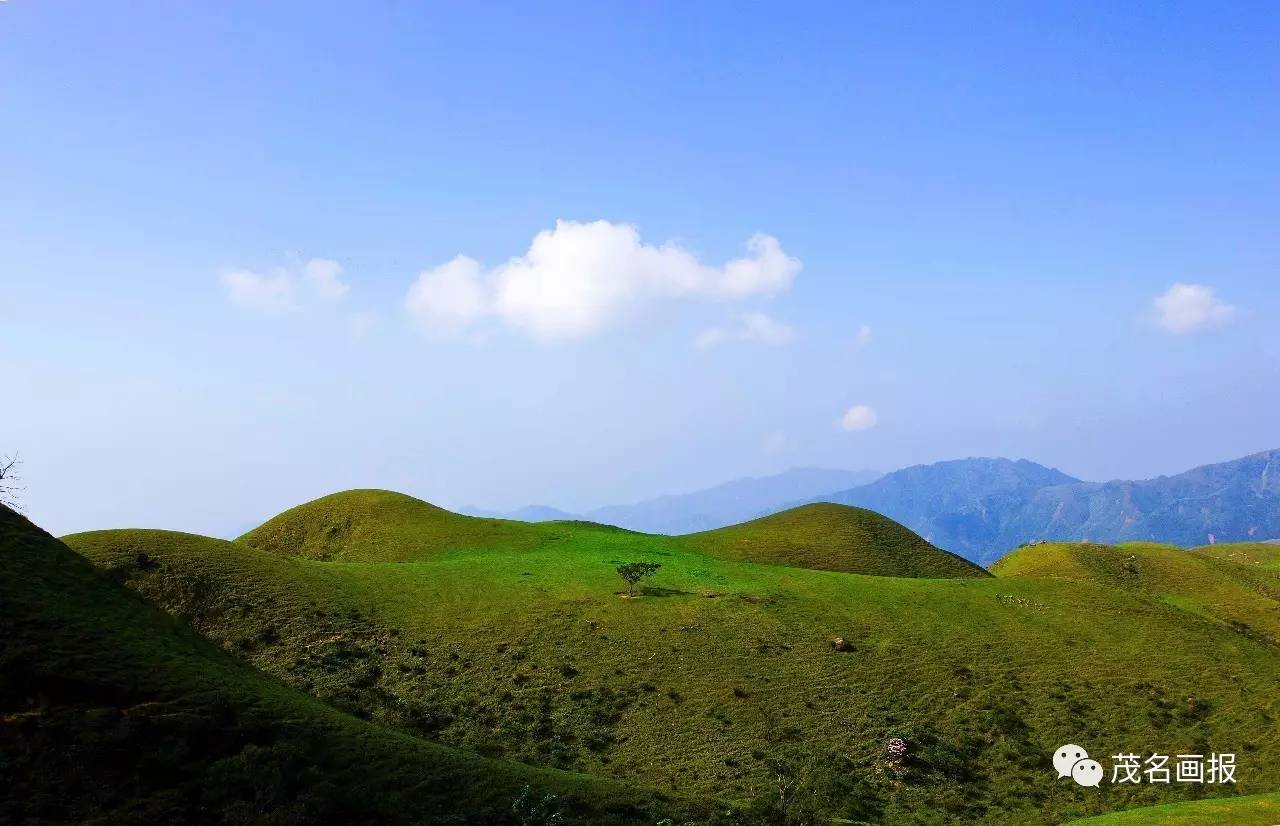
(112, 711)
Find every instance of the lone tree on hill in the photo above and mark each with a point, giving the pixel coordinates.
(9, 489)
(633, 572)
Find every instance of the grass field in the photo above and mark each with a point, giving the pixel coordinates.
(1252, 810)
(514, 641)
(1260, 554)
(111, 711)
(1242, 595)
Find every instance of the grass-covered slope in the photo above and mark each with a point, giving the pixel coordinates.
(831, 537)
(721, 678)
(383, 526)
(1260, 554)
(1251, 810)
(1245, 597)
(113, 711)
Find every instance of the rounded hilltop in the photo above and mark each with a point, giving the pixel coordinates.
(1231, 585)
(385, 526)
(830, 537)
(382, 526)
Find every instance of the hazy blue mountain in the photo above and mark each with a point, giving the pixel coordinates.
(728, 503)
(540, 513)
(529, 513)
(1227, 502)
(983, 508)
(702, 510)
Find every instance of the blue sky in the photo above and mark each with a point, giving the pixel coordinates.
(230, 282)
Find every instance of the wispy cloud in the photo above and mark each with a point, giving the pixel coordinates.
(286, 288)
(1191, 308)
(578, 278)
(756, 327)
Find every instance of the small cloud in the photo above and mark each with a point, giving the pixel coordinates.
(775, 442)
(756, 327)
(268, 293)
(323, 275)
(1191, 308)
(578, 278)
(863, 338)
(450, 297)
(283, 289)
(859, 417)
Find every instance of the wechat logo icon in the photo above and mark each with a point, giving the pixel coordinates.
(1074, 762)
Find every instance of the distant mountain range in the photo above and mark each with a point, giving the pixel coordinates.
(983, 508)
(704, 510)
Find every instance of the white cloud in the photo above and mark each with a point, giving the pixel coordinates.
(859, 417)
(863, 338)
(449, 297)
(284, 289)
(578, 278)
(323, 275)
(269, 293)
(756, 327)
(1191, 308)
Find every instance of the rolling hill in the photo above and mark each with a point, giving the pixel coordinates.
(982, 508)
(1262, 554)
(113, 711)
(1244, 597)
(721, 678)
(828, 537)
(382, 526)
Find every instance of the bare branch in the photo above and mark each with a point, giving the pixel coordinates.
(10, 490)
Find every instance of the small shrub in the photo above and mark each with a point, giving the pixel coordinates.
(633, 572)
(535, 809)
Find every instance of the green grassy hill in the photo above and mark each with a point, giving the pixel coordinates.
(383, 526)
(112, 711)
(830, 537)
(721, 678)
(1245, 597)
(1262, 554)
